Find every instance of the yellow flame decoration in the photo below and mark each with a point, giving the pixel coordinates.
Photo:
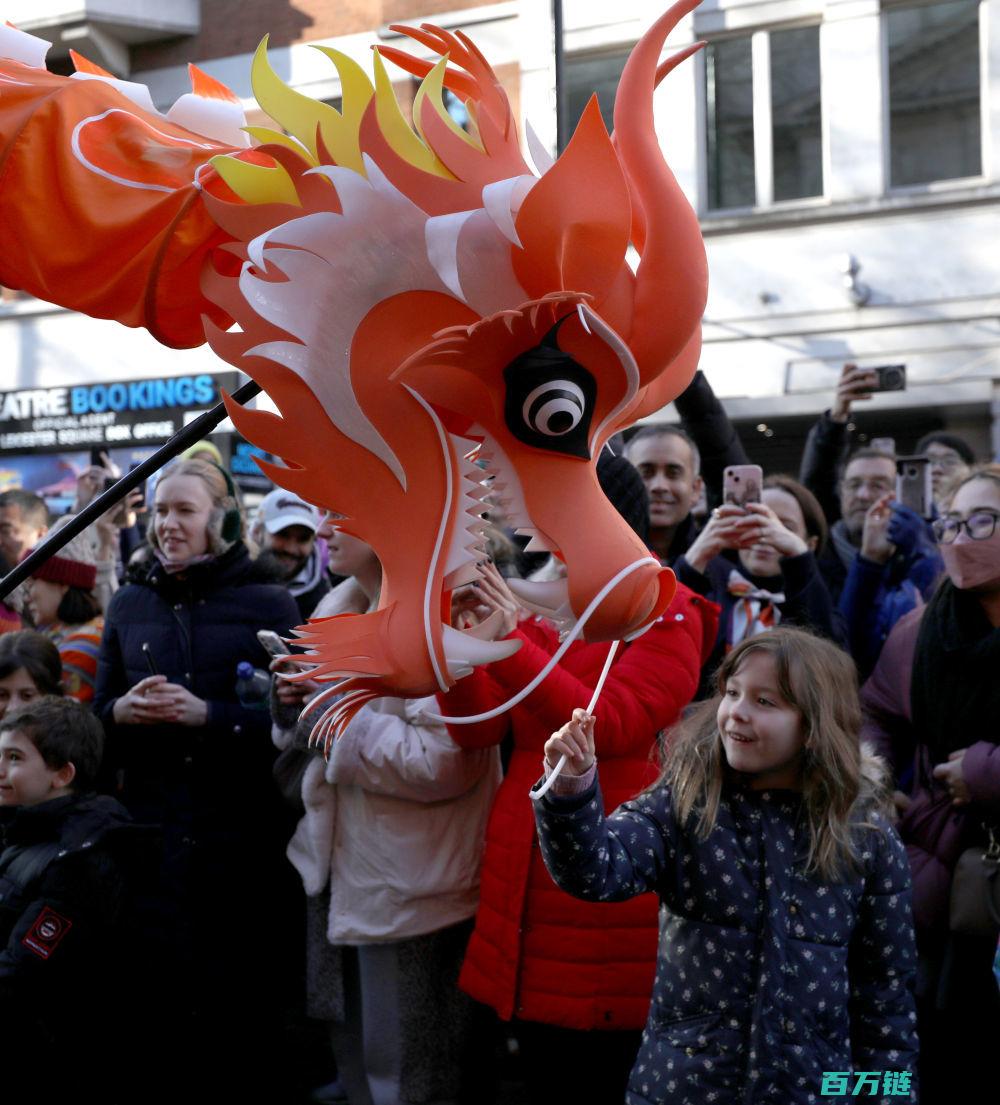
(397, 131)
(257, 183)
(432, 89)
(301, 115)
(267, 136)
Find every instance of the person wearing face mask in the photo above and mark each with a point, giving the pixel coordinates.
(931, 708)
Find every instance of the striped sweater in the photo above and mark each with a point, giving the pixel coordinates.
(78, 646)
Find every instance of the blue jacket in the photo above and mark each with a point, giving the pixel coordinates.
(766, 978)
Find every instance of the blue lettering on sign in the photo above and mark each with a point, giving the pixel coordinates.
(143, 395)
(204, 389)
(78, 401)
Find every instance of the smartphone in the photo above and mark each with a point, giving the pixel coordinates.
(884, 445)
(889, 377)
(741, 484)
(140, 507)
(147, 654)
(272, 642)
(913, 484)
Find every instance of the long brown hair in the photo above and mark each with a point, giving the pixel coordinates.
(820, 681)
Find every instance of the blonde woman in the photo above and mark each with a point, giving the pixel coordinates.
(185, 754)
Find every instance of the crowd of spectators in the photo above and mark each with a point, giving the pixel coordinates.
(205, 880)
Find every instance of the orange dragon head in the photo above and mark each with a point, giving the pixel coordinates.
(435, 321)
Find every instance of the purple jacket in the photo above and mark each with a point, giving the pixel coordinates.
(935, 832)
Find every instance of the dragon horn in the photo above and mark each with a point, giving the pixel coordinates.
(673, 271)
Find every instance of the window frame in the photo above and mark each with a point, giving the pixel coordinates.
(763, 130)
(945, 184)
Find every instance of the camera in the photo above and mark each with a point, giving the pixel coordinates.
(889, 377)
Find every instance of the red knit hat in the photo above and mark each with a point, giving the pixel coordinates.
(75, 564)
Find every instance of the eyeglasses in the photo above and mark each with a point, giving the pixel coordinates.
(876, 484)
(980, 527)
(947, 461)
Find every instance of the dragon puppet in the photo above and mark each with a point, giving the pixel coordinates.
(433, 319)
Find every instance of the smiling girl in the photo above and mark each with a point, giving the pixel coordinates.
(786, 943)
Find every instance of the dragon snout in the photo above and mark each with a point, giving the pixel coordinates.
(612, 609)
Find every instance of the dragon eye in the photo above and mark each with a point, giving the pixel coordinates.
(554, 408)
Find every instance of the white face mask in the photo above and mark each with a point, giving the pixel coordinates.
(972, 564)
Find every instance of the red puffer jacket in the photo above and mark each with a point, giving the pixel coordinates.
(536, 952)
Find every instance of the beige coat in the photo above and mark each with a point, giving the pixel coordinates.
(395, 821)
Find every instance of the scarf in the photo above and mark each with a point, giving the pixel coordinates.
(842, 545)
(755, 611)
(172, 567)
(313, 571)
(955, 694)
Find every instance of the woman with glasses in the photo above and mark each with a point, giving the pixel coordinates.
(933, 709)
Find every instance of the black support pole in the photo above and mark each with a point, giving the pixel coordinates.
(557, 33)
(194, 431)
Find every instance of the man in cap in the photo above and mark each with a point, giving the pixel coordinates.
(285, 529)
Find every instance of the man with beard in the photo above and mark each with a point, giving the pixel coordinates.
(285, 529)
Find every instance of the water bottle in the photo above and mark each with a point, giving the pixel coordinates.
(253, 686)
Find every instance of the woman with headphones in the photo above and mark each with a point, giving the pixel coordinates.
(185, 754)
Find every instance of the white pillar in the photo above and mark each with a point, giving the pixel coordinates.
(855, 109)
(538, 70)
(989, 28)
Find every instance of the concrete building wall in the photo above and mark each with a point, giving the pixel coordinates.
(780, 319)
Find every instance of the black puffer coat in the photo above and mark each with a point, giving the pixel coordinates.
(765, 978)
(223, 891)
(64, 943)
(198, 627)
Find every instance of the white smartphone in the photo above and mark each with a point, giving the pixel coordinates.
(272, 642)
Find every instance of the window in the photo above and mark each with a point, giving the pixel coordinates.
(591, 73)
(729, 114)
(797, 153)
(763, 126)
(933, 79)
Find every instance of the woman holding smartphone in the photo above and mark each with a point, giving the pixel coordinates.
(758, 562)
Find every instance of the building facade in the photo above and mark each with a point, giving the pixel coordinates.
(843, 156)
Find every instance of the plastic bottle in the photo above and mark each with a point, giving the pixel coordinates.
(253, 686)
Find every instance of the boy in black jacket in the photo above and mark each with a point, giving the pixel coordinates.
(62, 889)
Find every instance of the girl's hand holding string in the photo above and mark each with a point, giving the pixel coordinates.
(575, 741)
